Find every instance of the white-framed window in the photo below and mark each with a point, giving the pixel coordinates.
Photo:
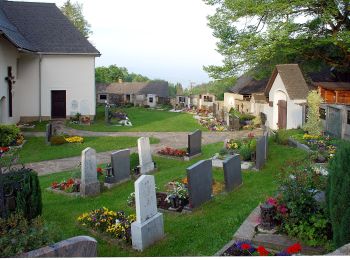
(103, 97)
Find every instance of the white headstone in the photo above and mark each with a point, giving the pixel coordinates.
(145, 156)
(149, 226)
(89, 183)
(145, 198)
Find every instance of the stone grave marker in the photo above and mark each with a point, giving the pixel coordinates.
(90, 186)
(120, 161)
(48, 133)
(260, 152)
(149, 225)
(194, 143)
(145, 156)
(215, 110)
(232, 172)
(266, 136)
(200, 182)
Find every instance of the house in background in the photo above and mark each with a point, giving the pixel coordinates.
(241, 93)
(150, 93)
(287, 92)
(206, 101)
(102, 96)
(47, 68)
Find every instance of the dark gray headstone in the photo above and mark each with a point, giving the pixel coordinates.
(120, 161)
(200, 181)
(232, 172)
(215, 109)
(266, 136)
(234, 123)
(260, 152)
(48, 133)
(195, 143)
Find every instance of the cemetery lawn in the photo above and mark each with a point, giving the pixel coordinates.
(36, 150)
(201, 233)
(38, 127)
(144, 120)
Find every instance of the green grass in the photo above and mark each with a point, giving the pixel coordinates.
(201, 233)
(145, 120)
(36, 150)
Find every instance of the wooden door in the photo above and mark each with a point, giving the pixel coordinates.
(282, 114)
(58, 104)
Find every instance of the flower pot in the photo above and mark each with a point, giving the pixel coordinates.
(174, 201)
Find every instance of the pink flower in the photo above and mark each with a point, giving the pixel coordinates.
(272, 201)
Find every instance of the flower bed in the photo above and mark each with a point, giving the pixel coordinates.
(245, 148)
(245, 248)
(116, 224)
(323, 147)
(69, 186)
(172, 152)
(74, 139)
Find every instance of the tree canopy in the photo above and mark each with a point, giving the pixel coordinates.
(114, 74)
(255, 35)
(74, 12)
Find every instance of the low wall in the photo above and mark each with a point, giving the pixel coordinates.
(81, 246)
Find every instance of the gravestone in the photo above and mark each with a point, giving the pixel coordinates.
(260, 152)
(120, 161)
(215, 109)
(200, 182)
(145, 156)
(149, 225)
(232, 172)
(90, 186)
(266, 136)
(194, 143)
(48, 133)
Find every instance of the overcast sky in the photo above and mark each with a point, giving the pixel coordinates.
(166, 39)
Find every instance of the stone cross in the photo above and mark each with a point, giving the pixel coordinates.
(149, 226)
(145, 156)
(90, 185)
(232, 172)
(200, 182)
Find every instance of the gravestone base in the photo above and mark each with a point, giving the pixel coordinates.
(189, 158)
(110, 185)
(147, 168)
(147, 233)
(91, 189)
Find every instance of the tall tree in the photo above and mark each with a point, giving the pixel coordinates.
(74, 12)
(258, 34)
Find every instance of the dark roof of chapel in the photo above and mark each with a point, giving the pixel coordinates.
(41, 27)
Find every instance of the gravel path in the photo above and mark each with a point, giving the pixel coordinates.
(172, 139)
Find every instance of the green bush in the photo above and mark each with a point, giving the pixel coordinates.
(313, 125)
(19, 235)
(8, 134)
(28, 197)
(134, 160)
(57, 140)
(245, 152)
(246, 117)
(338, 194)
(282, 135)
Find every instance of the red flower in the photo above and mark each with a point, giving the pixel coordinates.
(262, 251)
(272, 201)
(54, 185)
(294, 249)
(245, 246)
(99, 170)
(4, 149)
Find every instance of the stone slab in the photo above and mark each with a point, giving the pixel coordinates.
(80, 246)
(247, 230)
(145, 155)
(147, 233)
(194, 143)
(89, 186)
(344, 250)
(232, 172)
(90, 189)
(260, 153)
(200, 181)
(296, 144)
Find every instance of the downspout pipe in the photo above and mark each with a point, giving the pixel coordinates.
(40, 101)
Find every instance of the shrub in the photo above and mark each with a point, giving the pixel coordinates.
(245, 152)
(58, 140)
(8, 134)
(19, 235)
(338, 195)
(246, 117)
(313, 124)
(134, 160)
(282, 135)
